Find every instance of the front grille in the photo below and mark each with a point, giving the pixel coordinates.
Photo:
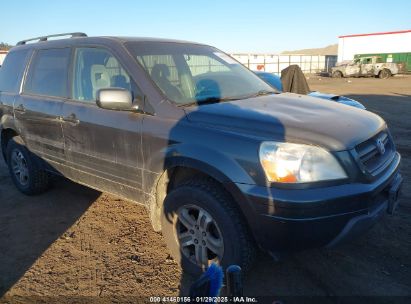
(376, 153)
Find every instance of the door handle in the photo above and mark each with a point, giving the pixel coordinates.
(71, 119)
(20, 108)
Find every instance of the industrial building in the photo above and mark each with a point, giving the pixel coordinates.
(391, 46)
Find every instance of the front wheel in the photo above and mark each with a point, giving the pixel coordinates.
(201, 225)
(337, 74)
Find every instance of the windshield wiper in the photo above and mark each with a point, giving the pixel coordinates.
(215, 99)
(209, 100)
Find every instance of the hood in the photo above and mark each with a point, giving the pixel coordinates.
(292, 118)
(344, 63)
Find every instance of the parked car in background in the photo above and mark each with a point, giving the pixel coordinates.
(275, 81)
(373, 66)
(223, 163)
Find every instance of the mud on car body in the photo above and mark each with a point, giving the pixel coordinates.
(222, 162)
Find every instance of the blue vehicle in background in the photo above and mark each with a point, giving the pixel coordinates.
(275, 81)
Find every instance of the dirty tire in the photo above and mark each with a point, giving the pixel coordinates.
(384, 74)
(20, 159)
(207, 195)
(337, 74)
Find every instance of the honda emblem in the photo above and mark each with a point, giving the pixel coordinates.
(380, 146)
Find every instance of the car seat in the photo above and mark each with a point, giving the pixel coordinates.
(160, 74)
(100, 78)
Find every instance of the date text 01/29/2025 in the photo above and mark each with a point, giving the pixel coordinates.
(239, 299)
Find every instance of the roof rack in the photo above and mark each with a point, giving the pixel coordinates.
(45, 38)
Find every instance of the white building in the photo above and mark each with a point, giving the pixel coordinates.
(373, 43)
(2, 56)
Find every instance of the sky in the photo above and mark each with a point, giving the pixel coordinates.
(255, 26)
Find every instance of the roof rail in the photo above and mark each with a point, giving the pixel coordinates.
(45, 38)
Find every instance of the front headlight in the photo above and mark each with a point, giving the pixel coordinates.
(298, 163)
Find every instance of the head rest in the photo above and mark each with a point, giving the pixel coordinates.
(160, 71)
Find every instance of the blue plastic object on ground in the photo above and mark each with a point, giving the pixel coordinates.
(209, 284)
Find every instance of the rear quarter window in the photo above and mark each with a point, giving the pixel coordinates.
(48, 73)
(12, 70)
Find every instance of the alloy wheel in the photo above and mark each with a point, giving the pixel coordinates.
(19, 167)
(199, 236)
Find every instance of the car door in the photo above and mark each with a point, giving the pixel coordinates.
(38, 108)
(102, 147)
(353, 69)
(367, 66)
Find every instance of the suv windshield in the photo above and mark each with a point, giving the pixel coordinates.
(195, 74)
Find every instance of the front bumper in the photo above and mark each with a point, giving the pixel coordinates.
(291, 219)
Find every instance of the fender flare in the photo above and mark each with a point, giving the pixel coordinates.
(7, 122)
(201, 157)
(191, 159)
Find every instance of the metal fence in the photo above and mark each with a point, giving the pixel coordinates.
(2, 56)
(309, 64)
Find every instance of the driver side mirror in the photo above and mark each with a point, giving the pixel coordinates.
(115, 99)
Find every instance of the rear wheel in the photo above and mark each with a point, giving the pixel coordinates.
(384, 74)
(337, 74)
(25, 172)
(201, 225)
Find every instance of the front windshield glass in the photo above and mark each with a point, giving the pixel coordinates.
(195, 74)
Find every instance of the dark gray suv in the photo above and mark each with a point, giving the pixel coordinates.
(223, 163)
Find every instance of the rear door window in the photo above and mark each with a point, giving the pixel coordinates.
(48, 73)
(12, 71)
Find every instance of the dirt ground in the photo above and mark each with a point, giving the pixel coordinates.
(74, 241)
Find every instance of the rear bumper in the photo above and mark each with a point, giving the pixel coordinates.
(288, 219)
